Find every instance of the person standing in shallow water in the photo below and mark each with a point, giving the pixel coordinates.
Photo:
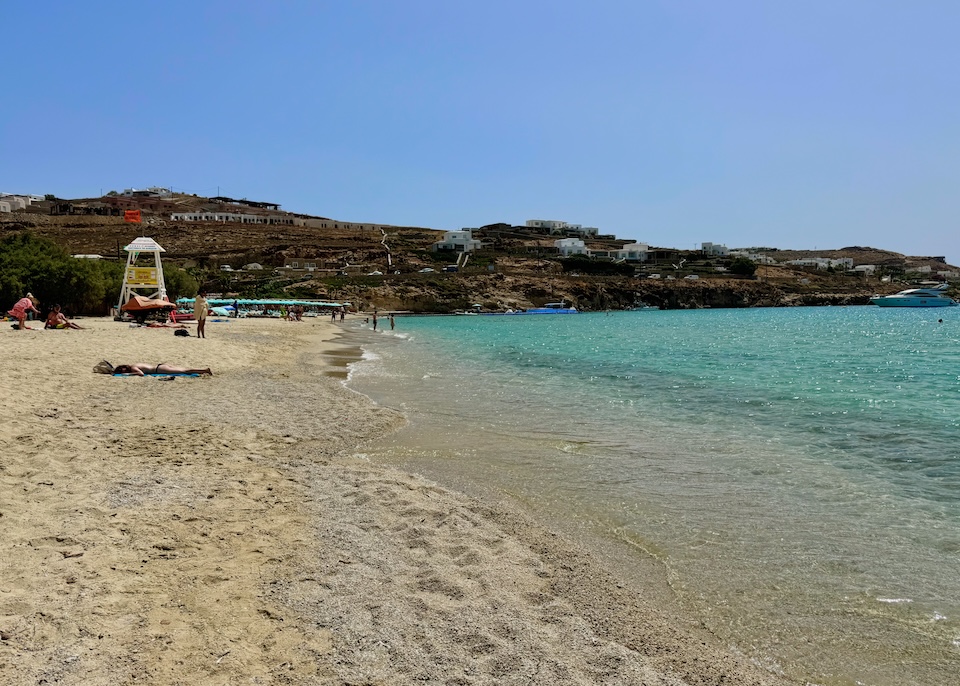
(374, 321)
(392, 323)
(200, 314)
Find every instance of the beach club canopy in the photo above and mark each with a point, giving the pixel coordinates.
(139, 303)
(215, 302)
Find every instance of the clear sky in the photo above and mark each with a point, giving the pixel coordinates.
(813, 124)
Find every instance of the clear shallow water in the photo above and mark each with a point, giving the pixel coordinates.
(797, 471)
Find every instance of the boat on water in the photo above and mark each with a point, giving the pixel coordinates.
(549, 308)
(916, 297)
(640, 305)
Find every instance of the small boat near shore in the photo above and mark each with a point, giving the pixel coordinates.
(916, 297)
(549, 308)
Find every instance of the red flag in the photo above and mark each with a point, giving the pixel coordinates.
(131, 216)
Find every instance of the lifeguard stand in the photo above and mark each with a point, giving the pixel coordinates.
(141, 277)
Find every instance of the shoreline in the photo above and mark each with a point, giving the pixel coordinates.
(224, 530)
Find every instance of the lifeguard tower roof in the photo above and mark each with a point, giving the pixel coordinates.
(144, 244)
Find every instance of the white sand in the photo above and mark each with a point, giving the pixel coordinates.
(218, 531)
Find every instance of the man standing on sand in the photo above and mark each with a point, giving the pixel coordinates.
(200, 313)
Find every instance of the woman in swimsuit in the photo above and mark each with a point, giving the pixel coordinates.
(140, 369)
(58, 320)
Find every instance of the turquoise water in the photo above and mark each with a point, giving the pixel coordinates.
(796, 471)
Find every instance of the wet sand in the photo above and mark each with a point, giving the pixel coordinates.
(227, 530)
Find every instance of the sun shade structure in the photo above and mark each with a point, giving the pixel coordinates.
(268, 302)
(138, 303)
(140, 276)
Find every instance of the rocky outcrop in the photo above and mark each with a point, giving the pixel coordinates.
(442, 293)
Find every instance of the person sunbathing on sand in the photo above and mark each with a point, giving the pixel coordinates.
(140, 369)
(58, 320)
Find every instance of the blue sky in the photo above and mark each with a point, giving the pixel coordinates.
(745, 122)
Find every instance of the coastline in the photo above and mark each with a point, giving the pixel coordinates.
(223, 530)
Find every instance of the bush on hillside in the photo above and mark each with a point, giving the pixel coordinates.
(742, 266)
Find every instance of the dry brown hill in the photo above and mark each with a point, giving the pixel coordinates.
(864, 255)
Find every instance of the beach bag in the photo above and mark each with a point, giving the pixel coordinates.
(181, 332)
(103, 367)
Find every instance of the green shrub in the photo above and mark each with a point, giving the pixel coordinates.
(742, 266)
(38, 265)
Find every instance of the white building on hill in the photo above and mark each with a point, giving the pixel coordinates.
(570, 246)
(458, 241)
(823, 262)
(715, 249)
(551, 225)
(231, 217)
(17, 203)
(634, 252)
(556, 226)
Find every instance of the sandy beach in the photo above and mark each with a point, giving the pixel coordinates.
(227, 530)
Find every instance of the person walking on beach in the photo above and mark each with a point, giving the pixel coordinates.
(19, 311)
(200, 313)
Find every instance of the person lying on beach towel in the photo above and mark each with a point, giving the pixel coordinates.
(143, 369)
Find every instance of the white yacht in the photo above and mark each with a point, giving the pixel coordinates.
(916, 297)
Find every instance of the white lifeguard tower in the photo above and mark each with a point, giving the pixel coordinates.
(142, 276)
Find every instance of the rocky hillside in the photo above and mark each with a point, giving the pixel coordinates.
(519, 273)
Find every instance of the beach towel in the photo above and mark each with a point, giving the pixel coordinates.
(166, 374)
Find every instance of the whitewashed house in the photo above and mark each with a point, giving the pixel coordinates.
(556, 226)
(152, 191)
(755, 257)
(845, 263)
(551, 225)
(815, 262)
(842, 263)
(570, 246)
(634, 252)
(18, 203)
(458, 241)
(715, 249)
(231, 217)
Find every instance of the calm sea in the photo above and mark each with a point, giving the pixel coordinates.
(796, 471)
